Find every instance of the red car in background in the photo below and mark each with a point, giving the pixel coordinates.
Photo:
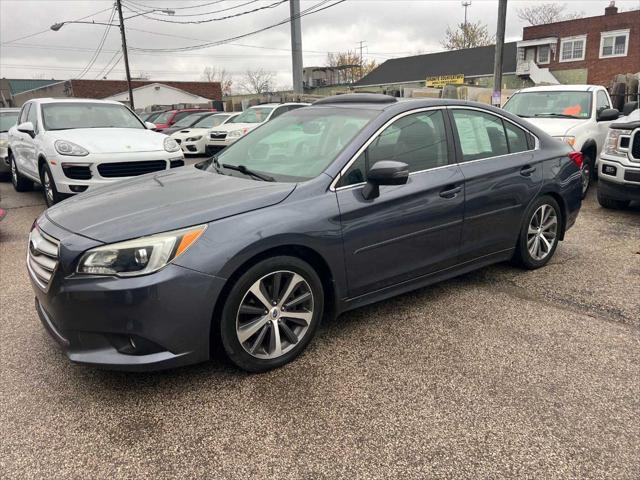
(168, 118)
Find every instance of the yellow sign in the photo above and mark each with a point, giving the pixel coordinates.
(442, 80)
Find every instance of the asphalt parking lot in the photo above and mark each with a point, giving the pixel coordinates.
(499, 373)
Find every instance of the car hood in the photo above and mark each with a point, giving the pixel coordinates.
(164, 201)
(556, 127)
(189, 132)
(112, 140)
(229, 127)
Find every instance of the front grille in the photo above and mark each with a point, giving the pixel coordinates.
(130, 169)
(42, 257)
(632, 176)
(218, 135)
(177, 163)
(635, 146)
(77, 172)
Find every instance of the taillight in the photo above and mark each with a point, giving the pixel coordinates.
(577, 158)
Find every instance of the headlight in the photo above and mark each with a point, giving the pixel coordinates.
(193, 139)
(68, 148)
(236, 133)
(570, 140)
(612, 143)
(170, 145)
(139, 256)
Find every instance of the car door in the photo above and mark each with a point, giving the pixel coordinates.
(19, 139)
(30, 151)
(408, 230)
(501, 175)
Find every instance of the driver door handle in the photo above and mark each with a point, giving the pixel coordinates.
(450, 191)
(527, 170)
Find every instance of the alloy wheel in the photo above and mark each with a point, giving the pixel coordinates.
(274, 314)
(542, 232)
(586, 178)
(14, 172)
(48, 189)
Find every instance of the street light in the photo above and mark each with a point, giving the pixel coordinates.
(125, 54)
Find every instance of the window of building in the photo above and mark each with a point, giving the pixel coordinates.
(544, 54)
(614, 44)
(572, 48)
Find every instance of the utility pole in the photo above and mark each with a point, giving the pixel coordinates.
(296, 46)
(466, 4)
(362, 42)
(125, 53)
(497, 65)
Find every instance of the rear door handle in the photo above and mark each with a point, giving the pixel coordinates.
(450, 191)
(527, 170)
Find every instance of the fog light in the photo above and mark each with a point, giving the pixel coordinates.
(609, 169)
(78, 188)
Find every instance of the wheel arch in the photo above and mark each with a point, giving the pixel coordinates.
(561, 203)
(303, 252)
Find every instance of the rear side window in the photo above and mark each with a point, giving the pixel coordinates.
(482, 135)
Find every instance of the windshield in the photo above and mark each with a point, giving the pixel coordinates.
(253, 115)
(559, 104)
(163, 117)
(211, 121)
(8, 120)
(188, 120)
(297, 146)
(63, 116)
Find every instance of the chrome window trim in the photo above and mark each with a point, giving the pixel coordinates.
(344, 170)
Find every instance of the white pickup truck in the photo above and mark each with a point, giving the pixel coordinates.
(579, 115)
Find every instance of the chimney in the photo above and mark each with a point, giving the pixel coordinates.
(611, 9)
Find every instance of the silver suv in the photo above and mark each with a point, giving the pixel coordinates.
(619, 163)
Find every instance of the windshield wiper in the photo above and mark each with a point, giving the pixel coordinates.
(246, 171)
(553, 114)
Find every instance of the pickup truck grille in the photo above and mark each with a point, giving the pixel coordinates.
(130, 169)
(42, 257)
(635, 145)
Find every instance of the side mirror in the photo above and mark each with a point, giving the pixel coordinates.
(150, 125)
(27, 127)
(629, 107)
(386, 172)
(607, 115)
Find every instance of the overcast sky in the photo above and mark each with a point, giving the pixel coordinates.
(390, 28)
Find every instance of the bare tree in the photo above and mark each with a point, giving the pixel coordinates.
(220, 75)
(38, 76)
(353, 70)
(257, 81)
(467, 36)
(544, 13)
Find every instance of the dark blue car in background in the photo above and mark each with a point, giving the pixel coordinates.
(327, 208)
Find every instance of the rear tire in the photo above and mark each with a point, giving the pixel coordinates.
(51, 195)
(539, 234)
(611, 203)
(20, 183)
(265, 331)
(588, 174)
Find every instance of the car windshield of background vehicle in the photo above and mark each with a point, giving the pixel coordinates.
(210, 121)
(65, 116)
(163, 117)
(550, 104)
(8, 120)
(187, 121)
(297, 146)
(253, 115)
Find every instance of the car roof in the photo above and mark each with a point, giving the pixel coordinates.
(560, 88)
(9, 110)
(74, 100)
(273, 105)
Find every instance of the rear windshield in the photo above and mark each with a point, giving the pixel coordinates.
(65, 116)
(559, 104)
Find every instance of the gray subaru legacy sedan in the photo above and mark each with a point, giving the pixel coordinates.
(327, 208)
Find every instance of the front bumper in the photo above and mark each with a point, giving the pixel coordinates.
(619, 178)
(146, 323)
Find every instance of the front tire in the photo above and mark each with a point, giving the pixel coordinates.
(539, 234)
(588, 175)
(271, 314)
(51, 195)
(20, 184)
(611, 203)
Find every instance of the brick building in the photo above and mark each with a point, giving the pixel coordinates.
(587, 50)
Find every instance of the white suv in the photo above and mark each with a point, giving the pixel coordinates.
(248, 120)
(579, 115)
(73, 145)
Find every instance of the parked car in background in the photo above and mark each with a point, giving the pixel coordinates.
(366, 198)
(193, 140)
(248, 120)
(150, 117)
(579, 115)
(619, 164)
(71, 146)
(187, 122)
(168, 118)
(8, 118)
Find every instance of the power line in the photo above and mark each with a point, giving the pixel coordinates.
(106, 66)
(100, 45)
(200, 14)
(113, 66)
(237, 37)
(139, 5)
